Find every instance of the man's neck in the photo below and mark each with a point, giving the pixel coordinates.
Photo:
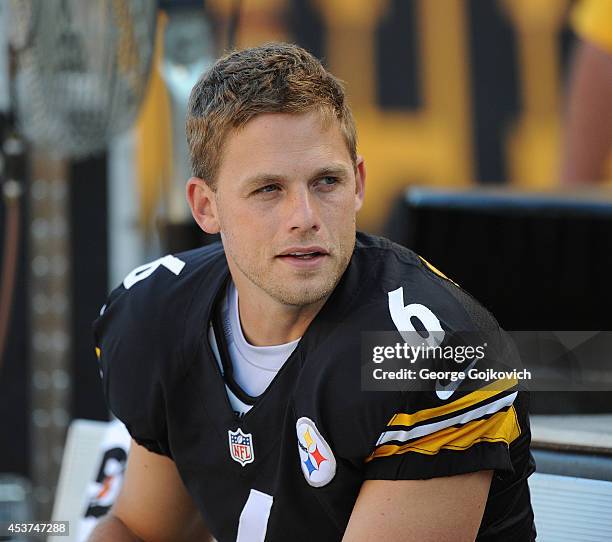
(267, 322)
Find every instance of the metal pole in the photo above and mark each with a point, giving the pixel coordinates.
(50, 319)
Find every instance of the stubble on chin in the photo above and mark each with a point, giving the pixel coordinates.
(311, 291)
(294, 290)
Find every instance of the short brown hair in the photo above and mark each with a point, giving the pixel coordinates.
(272, 78)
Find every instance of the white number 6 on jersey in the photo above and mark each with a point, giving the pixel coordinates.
(401, 316)
(172, 263)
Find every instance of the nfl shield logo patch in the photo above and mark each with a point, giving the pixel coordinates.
(241, 447)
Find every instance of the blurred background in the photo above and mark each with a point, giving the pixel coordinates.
(462, 115)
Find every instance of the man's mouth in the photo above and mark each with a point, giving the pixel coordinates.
(303, 255)
(304, 252)
(296, 254)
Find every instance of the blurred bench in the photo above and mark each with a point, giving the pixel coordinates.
(571, 491)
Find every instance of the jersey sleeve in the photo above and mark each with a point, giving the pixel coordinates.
(127, 336)
(421, 433)
(147, 337)
(428, 438)
(474, 424)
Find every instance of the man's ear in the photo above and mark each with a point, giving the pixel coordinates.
(360, 178)
(202, 203)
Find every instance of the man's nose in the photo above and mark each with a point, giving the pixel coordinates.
(302, 211)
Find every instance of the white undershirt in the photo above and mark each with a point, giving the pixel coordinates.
(254, 367)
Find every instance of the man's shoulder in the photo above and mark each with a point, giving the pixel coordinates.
(166, 282)
(167, 275)
(395, 284)
(147, 315)
(373, 247)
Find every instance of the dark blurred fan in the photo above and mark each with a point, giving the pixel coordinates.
(82, 69)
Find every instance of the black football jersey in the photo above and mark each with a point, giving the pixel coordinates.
(292, 467)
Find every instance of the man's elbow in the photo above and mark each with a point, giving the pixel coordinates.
(111, 528)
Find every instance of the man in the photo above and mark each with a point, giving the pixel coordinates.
(587, 126)
(236, 367)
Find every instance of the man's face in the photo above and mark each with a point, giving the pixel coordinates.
(285, 202)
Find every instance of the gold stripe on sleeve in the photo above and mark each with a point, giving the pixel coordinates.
(501, 427)
(471, 399)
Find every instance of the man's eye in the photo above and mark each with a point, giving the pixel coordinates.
(267, 189)
(327, 181)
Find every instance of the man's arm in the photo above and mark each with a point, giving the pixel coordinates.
(446, 509)
(153, 504)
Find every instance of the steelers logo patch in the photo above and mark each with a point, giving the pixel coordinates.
(316, 458)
